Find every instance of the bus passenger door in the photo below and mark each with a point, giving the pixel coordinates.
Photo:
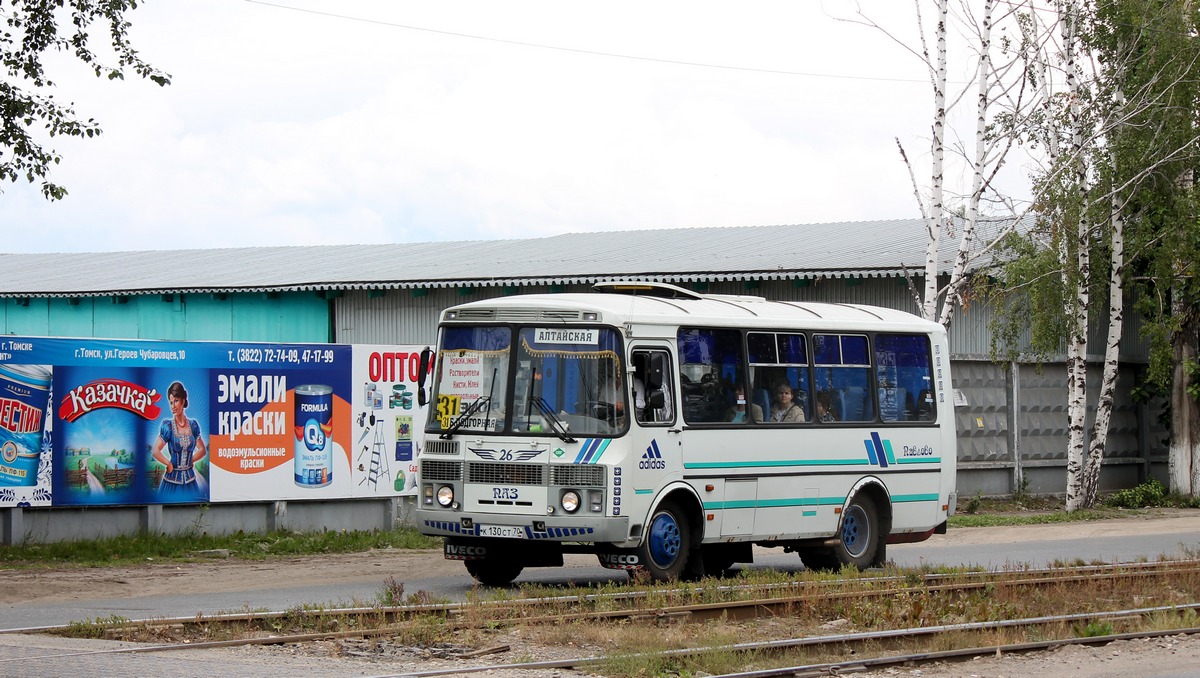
(654, 431)
(741, 495)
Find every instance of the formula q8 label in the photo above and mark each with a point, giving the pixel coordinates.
(314, 435)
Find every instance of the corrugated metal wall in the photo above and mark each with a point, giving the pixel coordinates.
(300, 317)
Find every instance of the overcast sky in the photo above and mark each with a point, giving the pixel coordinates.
(304, 122)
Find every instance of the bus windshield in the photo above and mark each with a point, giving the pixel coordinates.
(565, 381)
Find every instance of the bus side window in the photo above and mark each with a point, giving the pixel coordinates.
(709, 359)
(843, 368)
(652, 387)
(903, 373)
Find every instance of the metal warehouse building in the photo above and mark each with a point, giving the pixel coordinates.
(1013, 424)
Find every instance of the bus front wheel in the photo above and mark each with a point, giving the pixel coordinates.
(664, 551)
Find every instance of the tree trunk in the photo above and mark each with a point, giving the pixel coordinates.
(1112, 351)
(936, 220)
(1183, 462)
(1077, 278)
(984, 74)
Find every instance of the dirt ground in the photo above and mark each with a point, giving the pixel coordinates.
(1170, 656)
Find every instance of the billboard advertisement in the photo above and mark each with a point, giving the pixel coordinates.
(88, 422)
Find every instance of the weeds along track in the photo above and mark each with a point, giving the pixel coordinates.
(863, 600)
(872, 650)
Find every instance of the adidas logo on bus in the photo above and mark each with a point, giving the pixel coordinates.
(652, 459)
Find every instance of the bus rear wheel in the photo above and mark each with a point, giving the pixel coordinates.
(493, 571)
(664, 551)
(858, 543)
(860, 538)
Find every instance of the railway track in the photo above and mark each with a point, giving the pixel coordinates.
(859, 663)
(810, 598)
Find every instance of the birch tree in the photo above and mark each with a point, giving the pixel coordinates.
(1100, 130)
(993, 81)
(1165, 235)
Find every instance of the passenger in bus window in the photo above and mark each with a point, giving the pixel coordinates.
(741, 411)
(783, 409)
(824, 408)
(925, 407)
(639, 399)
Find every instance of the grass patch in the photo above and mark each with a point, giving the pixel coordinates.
(1024, 509)
(128, 550)
(1033, 518)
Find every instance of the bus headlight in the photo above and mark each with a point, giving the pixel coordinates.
(596, 501)
(428, 495)
(569, 501)
(445, 495)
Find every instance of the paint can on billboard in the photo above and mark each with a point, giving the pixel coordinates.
(404, 441)
(399, 391)
(24, 394)
(314, 435)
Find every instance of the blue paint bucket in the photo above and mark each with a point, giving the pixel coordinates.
(24, 394)
(314, 435)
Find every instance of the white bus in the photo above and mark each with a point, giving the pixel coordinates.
(651, 425)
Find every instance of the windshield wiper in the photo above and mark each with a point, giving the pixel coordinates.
(462, 418)
(555, 423)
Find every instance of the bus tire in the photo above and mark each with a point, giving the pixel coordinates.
(493, 572)
(860, 534)
(664, 551)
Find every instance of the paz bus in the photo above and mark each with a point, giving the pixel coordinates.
(648, 424)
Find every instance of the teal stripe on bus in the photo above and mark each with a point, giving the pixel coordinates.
(908, 498)
(591, 449)
(774, 503)
(822, 501)
(770, 464)
(887, 448)
(919, 460)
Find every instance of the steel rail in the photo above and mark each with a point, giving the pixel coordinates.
(816, 641)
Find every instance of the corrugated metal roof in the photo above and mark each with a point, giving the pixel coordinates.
(846, 249)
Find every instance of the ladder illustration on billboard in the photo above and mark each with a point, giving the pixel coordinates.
(378, 465)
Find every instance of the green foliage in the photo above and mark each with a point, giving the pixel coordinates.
(1094, 629)
(1192, 368)
(29, 114)
(95, 628)
(1028, 296)
(1021, 493)
(1148, 494)
(974, 502)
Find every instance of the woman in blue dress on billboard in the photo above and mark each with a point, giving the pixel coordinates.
(182, 440)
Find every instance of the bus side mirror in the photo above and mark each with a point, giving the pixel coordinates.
(656, 400)
(654, 372)
(422, 375)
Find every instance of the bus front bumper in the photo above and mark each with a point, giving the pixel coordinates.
(465, 525)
